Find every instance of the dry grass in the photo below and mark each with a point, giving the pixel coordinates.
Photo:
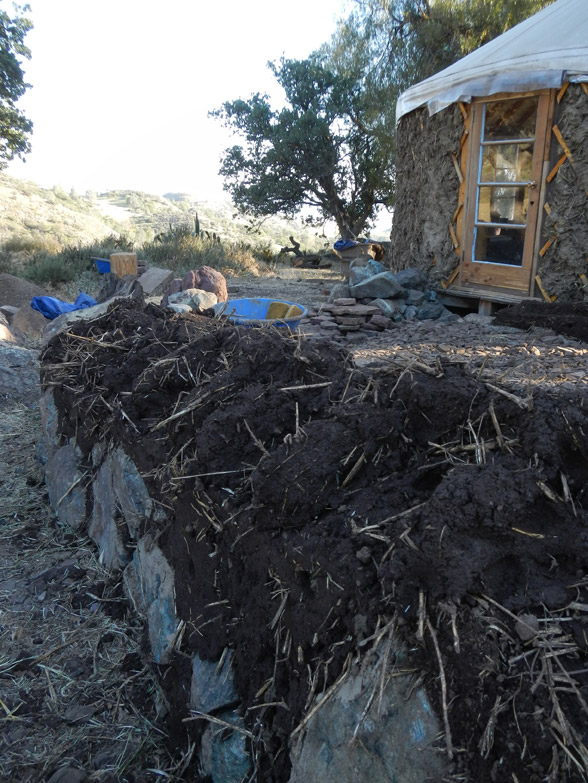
(75, 691)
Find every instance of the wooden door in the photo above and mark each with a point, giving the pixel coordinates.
(503, 192)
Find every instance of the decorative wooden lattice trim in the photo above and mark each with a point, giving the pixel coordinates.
(460, 165)
(564, 146)
(556, 168)
(547, 245)
(457, 168)
(451, 278)
(562, 91)
(453, 237)
(543, 291)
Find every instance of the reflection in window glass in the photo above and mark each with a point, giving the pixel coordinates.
(510, 119)
(499, 245)
(502, 204)
(507, 162)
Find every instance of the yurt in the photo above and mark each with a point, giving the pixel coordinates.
(492, 167)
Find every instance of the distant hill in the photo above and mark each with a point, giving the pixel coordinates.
(32, 216)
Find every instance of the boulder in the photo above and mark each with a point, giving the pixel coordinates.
(106, 525)
(224, 755)
(154, 280)
(382, 286)
(356, 737)
(430, 311)
(339, 291)
(414, 296)
(179, 308)
(206, 278)
(50, 420)
(149, 583)
(19, 374)
(29, 322)
(412, 278)
(17, 292)
(8, 311)
(65, 485)
(197, 299)
(357, 274)
(131, 493)
(391, 308)
(212, 685)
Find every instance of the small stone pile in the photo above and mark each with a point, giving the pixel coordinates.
(374, 299)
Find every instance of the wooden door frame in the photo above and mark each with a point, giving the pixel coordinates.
(505, 282)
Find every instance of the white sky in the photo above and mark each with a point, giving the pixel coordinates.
(122, 88)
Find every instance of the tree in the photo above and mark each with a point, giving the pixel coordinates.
(14, 126)
(317, 154)
(396, 43)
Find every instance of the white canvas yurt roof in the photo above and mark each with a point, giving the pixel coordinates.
(545, 50)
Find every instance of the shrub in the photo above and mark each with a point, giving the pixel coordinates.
(181, 249)
(52, 270)
(31, 243)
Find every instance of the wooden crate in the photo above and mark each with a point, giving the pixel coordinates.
(122, 264)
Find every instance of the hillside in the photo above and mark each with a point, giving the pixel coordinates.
(33, 217)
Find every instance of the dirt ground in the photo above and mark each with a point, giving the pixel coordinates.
(426, 481)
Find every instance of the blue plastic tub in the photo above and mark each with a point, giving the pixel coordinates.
(262, 312)
(102, 265)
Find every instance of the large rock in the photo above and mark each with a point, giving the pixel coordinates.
(391, 308)
(412, 278)
(207, 279)
(197, 299)
(149, 583)
(8, 311)
(65, 485)
(106, 526)
(430, 311)
(357, 738)
(204, 278)
(50, 420)
(19, 374)
(413, 296)
(339, 291)
(224, 755)
(382, 286)
(358, 274)
(212, 684)
(29, 322)
(17, 292)
(131, 493)
(155, 280)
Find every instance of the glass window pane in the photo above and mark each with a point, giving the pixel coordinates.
(507, 162)
(502, 204)
(499, 245)
(511, 119)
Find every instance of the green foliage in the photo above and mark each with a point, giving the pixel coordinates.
(180, 249)
(388, 45)
(49, 270)
(14, 126)
(396, 43)
(31, 243)
(317, 154)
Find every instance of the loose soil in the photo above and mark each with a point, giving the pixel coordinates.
(427, 482)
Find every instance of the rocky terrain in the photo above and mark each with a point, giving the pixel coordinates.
(408, 502)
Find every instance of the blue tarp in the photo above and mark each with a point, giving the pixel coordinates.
(344, 244)
(51, 307)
